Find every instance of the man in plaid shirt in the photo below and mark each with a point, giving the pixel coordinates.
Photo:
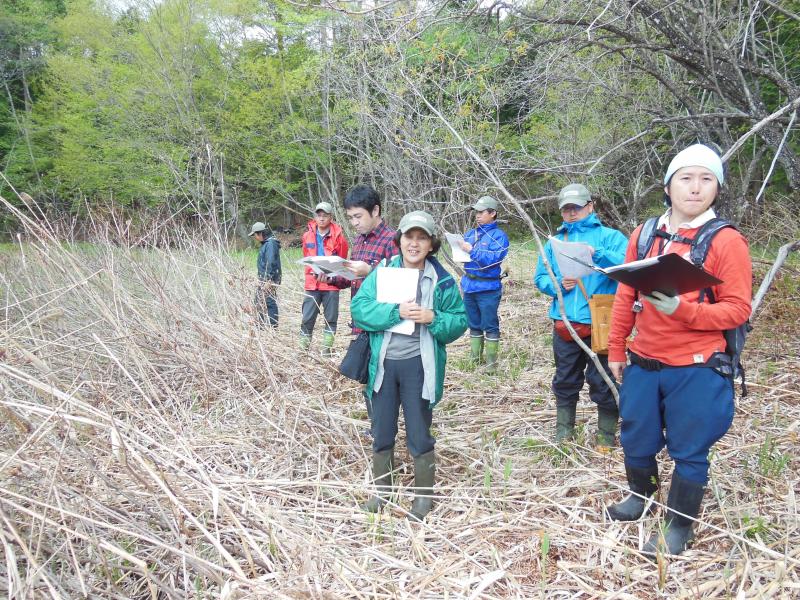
(374, 242)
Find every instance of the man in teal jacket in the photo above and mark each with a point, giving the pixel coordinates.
(572, 364)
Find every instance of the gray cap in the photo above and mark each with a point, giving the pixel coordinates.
(485, 203)
(420, 219)
(324, 207)
(257, 227)
(574, 193)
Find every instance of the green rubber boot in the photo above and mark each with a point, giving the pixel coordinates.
(305, 341)
(606, 427)
(424, 473)
(382, 467)
(476, 349)
(327, 344)
(565, 423)
(492, 348)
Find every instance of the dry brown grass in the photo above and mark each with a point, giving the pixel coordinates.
(155, 445)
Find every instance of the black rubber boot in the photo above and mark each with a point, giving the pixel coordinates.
(643, 484)
(565, 423)
(424, 473)
(382, 467)
(685, 497)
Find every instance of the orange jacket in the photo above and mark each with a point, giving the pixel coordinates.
(694, 331)
(334, 244)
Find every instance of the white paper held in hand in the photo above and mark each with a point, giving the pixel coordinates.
(459, 255)
(563, 251)
(395, 286)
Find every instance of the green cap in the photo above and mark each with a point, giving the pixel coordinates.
(420, 219)
(257, 227)
(574, 193)
(324, 207)
(485, 203)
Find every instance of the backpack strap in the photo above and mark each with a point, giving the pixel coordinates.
(702, 241)
(647, 236)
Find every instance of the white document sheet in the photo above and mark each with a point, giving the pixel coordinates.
(455, 239)
(395, 286)
(578, 250)
(327, 265)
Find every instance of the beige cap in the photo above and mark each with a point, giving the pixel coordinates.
(420, 219)
(324, 207)
(485, 203)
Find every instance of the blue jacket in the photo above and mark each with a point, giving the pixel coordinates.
(489, 248)
(269, 260)
(609, 250)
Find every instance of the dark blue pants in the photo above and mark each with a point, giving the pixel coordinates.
(685, 408)
(481, 310)
(571, 364)
(266, 302)
(402, 386)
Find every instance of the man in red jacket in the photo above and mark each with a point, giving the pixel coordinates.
(676, 391)
(323, 238)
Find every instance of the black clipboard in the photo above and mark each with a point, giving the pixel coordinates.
(669, 274)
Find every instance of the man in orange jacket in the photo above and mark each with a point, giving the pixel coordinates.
(677, 390)
(323, 238)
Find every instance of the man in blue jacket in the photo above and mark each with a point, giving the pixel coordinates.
(608, 249)
(487, 246)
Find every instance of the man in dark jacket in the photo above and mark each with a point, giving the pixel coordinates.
(269, 275)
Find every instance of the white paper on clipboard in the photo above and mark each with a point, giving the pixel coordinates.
(395, 286)
(578, 250)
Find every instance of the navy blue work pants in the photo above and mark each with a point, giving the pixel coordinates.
(573, 367)
(685, 408)
(481, 310)
(266, 302)
(402, 386)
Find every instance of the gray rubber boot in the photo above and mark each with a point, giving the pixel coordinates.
(606, 426)
(565, 423)
(424, 473)
(685, 497)
(643, 482)
(382, 467)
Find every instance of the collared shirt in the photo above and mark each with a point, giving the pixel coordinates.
(373, 248)
(698, 221)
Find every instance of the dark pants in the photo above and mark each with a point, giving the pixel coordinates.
(266, 302)
(571, 363)
(481, 310)
(402, 385)
(313, 302)
(686, 408)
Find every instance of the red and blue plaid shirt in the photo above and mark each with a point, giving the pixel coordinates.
(372, 248)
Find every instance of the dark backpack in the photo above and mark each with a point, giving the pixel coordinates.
(731, 364)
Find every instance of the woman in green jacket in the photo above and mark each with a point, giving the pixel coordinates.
(408, 370)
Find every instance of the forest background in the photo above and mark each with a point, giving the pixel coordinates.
(221, 112)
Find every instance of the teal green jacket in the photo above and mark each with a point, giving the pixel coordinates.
(449, 321)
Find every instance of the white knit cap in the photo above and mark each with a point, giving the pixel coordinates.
(696, 155)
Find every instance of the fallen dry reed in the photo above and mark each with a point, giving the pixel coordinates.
(155, 444)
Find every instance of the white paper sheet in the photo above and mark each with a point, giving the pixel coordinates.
(327, 265)
(570, 268)
(455, 239)
(395, 286)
